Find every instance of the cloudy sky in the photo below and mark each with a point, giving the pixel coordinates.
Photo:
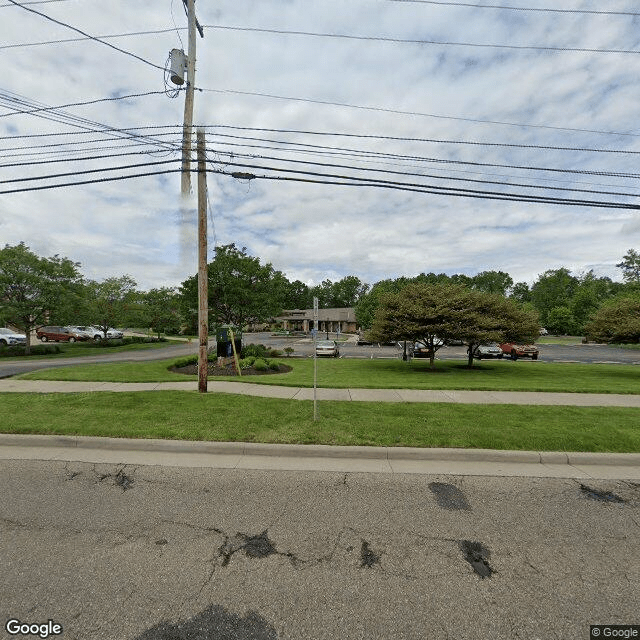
(461, 136)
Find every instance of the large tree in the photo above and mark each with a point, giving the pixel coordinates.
(435, 313)
(630, 266)
(554, 288)
(617, 320)
(161, 310)
(35, 290)
(492, 282)
(241, 290)
(114, 301)
(342, 293)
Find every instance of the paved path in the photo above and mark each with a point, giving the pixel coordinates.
(348, 395)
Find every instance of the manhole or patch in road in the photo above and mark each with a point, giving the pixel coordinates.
(214, 622)
(450, 497)
(254, 546)
(477, 555)
(367, 557)
(120, 479)
(258, 546)
(602, 496)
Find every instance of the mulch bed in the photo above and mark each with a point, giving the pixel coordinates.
(229, 370)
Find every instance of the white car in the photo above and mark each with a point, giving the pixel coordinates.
(8, 337)
(97, 334)
(491, 350)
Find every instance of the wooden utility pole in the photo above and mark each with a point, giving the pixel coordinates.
(188, 101)
(203, 281)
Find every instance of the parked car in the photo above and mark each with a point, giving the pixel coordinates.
(9, 337)
(95, 333)
(327, 348)
(60, 334)
(491, 350)
(83, 330)
(421, 350)
(520, 350)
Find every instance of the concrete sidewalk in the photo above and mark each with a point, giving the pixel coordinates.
(287, 457)
(9, 385)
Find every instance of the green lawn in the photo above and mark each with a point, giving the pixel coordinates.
(566, 340)
(193, 416)
(504, 375)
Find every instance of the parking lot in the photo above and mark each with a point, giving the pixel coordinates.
(588, 353)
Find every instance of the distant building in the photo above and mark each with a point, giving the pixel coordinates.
(332, 320)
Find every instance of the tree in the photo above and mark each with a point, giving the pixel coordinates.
(112, 302)
(520, 292)
(33, 290)
(592, 291)
(554, 288)
(367, 305)
(560, 321)
(161, 309)
(241, 290)
(343, 293)
(492, 282)
(630, 266)
(617, 320)
(433, 313)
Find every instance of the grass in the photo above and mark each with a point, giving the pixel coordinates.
(566, 340)
(504, 375)
(192, 416)
(78, 349)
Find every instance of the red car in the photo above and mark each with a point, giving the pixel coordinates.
(520, 350)
(59, 334)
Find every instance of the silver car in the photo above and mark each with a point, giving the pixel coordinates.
(327, 348)
(491, 350)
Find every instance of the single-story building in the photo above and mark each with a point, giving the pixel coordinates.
(332, 320)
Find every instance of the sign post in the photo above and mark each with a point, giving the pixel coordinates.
(315, 359)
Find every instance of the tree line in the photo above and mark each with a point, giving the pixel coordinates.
(37, 290)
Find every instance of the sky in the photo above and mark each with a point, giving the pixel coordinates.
(386, 137)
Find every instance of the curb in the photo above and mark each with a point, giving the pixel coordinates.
(323, 451)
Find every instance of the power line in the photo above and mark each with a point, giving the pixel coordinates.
(84, 33)
(533, 9)
(447, 43)
(422, 175)
(411, 113)
(338, 179)
(87, 102)
(10, 100)
(430, 140)
(101, 37)
(51, 176)
(34, 2)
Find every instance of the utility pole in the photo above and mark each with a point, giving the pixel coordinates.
(203, 281)
(188, 100)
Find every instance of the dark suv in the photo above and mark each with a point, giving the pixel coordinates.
(59, 334)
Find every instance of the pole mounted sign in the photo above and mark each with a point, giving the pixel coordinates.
(315, 359)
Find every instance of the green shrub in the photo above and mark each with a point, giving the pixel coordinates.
(36, 350)
(274, 365)
(255, 350)
(275, 353)
(184, 362)
(260, 365)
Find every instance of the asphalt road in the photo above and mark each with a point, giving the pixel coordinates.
(589, 353)
(157, 553)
